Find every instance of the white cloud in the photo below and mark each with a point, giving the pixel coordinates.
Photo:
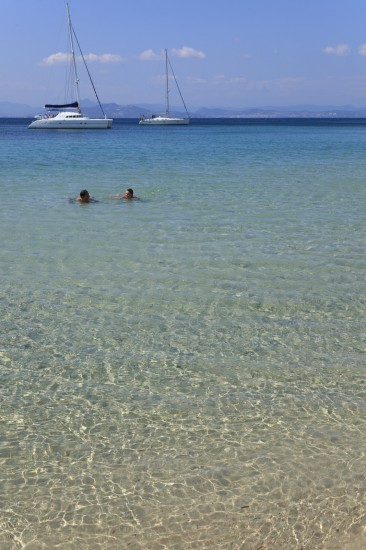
(277, 85)
(185, 51)
(362, 49)
(104, 58)
(196, 80)
(285, 84)
(340, 50)
(239, 80)
(150, 55)
(56, 58)
(60, 57)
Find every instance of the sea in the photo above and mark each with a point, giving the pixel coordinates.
(185, 371)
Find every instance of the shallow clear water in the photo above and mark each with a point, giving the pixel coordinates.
(186, 371)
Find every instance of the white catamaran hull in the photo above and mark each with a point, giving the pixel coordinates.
(71, 121)
(164, 120)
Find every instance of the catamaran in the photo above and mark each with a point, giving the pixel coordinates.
(69, 116)
(167, 118)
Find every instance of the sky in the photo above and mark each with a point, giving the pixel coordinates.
(225, 53)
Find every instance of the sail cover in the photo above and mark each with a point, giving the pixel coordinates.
(74, 105)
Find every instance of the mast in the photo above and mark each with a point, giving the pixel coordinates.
(167, 83)
(73, 55)
(176, 83)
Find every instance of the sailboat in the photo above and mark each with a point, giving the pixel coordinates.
(69, 116)
(167, 118)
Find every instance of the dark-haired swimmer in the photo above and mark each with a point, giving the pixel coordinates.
(127, 195)
(84, 197)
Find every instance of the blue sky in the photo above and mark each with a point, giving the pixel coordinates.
(225, 53)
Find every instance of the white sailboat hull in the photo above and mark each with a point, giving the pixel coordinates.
(70, 121)
(163, 120)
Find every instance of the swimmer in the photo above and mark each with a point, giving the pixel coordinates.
(85, 197)
(127, 195)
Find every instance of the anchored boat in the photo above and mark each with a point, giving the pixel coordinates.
(167, 118)
(69, 116)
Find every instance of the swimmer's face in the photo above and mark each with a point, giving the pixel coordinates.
(85, 197)
(128, 194)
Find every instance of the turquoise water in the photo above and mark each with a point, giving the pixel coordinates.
(186, 371)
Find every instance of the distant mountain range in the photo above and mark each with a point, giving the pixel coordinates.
(18, 110)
